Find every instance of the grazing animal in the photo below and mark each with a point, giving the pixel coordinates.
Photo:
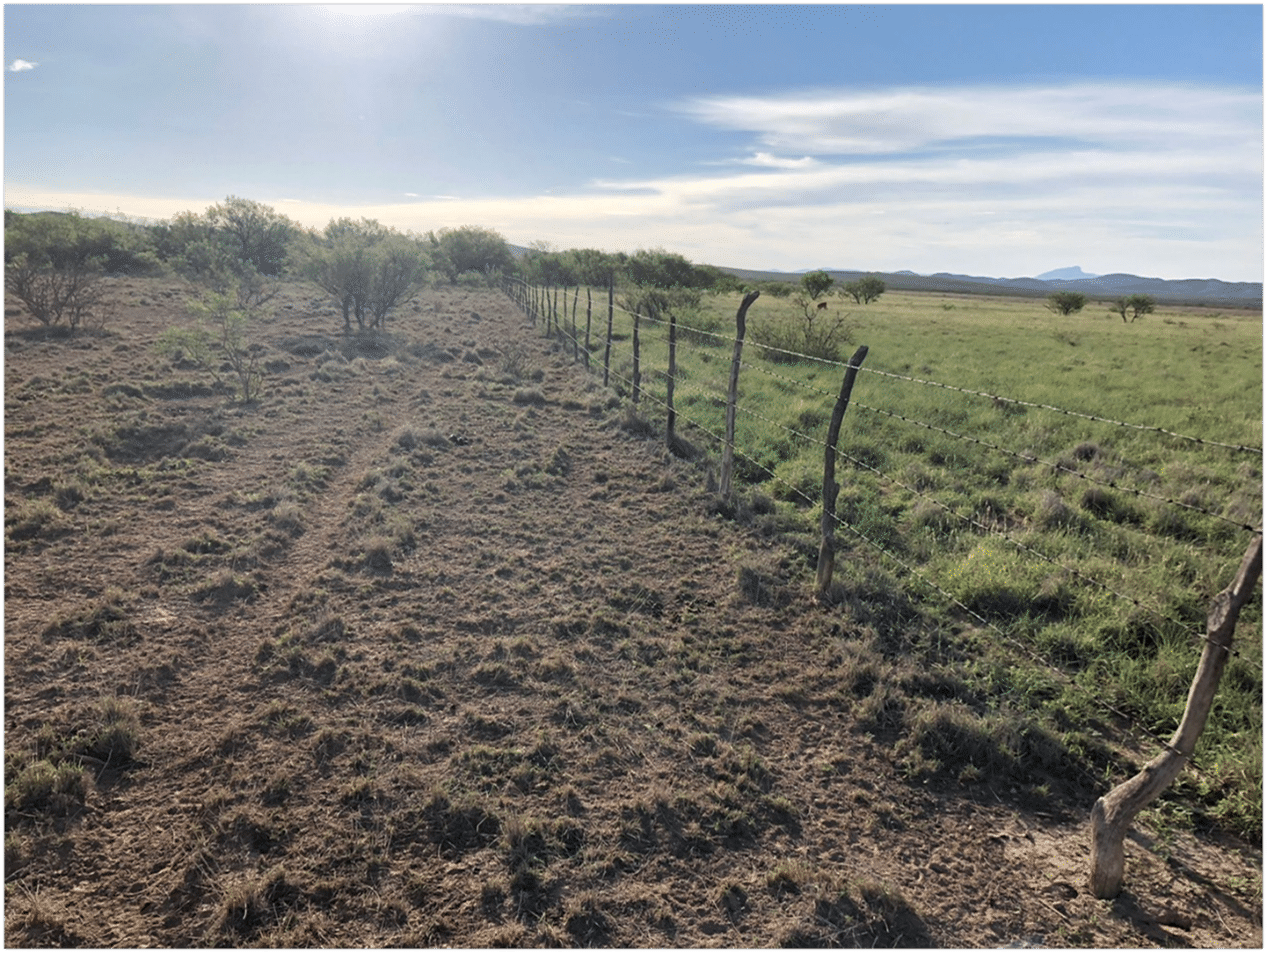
(822, 306)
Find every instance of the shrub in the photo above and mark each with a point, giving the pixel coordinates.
(220, 340)
(55, 262)
(807, 336)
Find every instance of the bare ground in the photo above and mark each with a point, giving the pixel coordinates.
(427, 648)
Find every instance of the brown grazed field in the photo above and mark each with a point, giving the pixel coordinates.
(427, 648)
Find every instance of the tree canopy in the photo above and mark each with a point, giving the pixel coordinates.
(865, 290)
(1066, 302)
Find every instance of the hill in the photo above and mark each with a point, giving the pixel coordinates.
(1191, 291)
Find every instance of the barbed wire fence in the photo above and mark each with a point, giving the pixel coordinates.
(623, 368)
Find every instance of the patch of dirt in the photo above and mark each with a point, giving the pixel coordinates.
(421, 662)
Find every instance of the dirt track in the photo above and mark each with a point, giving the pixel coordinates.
(428, 654)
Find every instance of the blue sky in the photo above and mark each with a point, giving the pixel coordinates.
(989, 140)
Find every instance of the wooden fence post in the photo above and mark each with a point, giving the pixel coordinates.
(1112, 815)
(607, 353)
(589, 307)
(672, 420)
(637, 368)
(576, 343)
(831, 489)
(728, 448)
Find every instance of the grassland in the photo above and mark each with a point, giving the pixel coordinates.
(1091, 548)
(434, 643)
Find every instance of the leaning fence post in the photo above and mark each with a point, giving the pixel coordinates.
(611, 310)
(637, 368)
(1112, 815)
(728, 448)
(831, 489)
(672, 421)
(589, 307)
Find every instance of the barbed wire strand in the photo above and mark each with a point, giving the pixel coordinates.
(1028, 651)
(1024, 457)
(1027, 458)
(1062, 676)
(984, 528)
(1076, 573)
(975, 393)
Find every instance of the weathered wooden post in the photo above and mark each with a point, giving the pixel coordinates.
(1112, 815)
(831, 489)
(589, 307)
(576, 343)
(728, 448)
(672, 420)
(611, 310)
(637, 368)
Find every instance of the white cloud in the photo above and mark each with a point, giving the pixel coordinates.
(520, 14)
(904, 120)
(1164, 181)
(17, 66)
(766, 160)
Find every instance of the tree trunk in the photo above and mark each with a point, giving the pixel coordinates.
(1112, 815)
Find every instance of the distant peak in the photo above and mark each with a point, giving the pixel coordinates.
(1072, 273)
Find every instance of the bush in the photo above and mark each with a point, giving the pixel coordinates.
(121, 248)
(220, 340)
(708, 330)
(806, 336)
(55, 263)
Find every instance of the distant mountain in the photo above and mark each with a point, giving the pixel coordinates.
(1190, 291)
(1072, 273)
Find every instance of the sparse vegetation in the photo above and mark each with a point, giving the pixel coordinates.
(402, 659)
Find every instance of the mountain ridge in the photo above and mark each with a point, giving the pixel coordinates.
(1193, 291)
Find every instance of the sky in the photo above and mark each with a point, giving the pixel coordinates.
(996, 140)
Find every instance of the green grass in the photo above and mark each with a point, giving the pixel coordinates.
(1069, 539)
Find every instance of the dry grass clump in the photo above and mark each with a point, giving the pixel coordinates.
(106, 621)
(533, 396)
(288, 516)
(47, 787)
(32, 519)
(410, 438)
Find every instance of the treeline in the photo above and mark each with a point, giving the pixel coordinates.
(240, 249)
